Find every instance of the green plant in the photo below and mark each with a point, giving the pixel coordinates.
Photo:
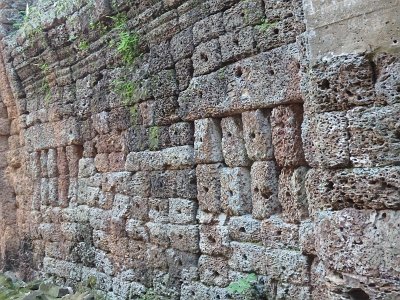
(265, 25)
(125, 89)
(83, 45)
(45, 89)
(154, 133)
(127, 42)
(244, 286)
(134, 114)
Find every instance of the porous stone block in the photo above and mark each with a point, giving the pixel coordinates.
(206, 57)
(158, 210)
(182, 44)
(178, 157)
(374, 136)
(116, 161)
(306, 237)
(184, 73)
(326, 140)
(233, 147)
(282, 24)
(207, 143)
(184, 237)
(186, 184)
(275, 233)
(144, 161)
(247, 257)
(244, 229)
(288, 266)
(182, 265)
(181, 133)
(214, 240)
(139, 208)
(209, 187)
(163, 184)
(164, 84)
(213, 271)
(243, 14)
(286, 135)
(74, 154)
(209, 28)
(360, 235)
(136, 230)
(257, 135)
(264, 189)
(101, 162)
(159, 234)
(182, 211)
(195, 290)
(369, 188)
(237, 45)
(160, 57)
(388, 78)
(292, 194)
(338, 83)
(236, 191)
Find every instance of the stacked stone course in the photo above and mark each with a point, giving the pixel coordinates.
(239, 152)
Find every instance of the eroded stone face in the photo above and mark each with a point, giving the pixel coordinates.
(231, 145)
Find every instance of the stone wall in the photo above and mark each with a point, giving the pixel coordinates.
(177, 146)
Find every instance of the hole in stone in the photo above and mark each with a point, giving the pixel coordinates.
(215, 273)
(276, 30)
(179, 211)
(242, 14)
(236, 42)
(395, 41)
(200, 94)
(384, 216)
(324, 84)
(242, 229)
(329, 186)
(256, 190)
(229, 134)
(218, 297)
(180, 236)
(230, 193)
(205, 189)
(279, 232)
(238, 72)
(179, 262)
(358, 294)
(204, 57)
(193, 293)
(252, 135)
(271, 72)
(244, 256)
(211, 239)
(266, 195)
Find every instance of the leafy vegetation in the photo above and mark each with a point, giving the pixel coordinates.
(265, 25)
(154, 133)
(125, 89)
(244, 286)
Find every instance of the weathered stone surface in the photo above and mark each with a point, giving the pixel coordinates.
(209, 187)
(207, 143)
(233, 147)
(257, 135)
(235, 191)
(264, 189)
(373, 188)
(326, 140)
(374, 136)
(286, 135)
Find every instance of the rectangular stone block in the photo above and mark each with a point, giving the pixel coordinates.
(243, 86)
(286, 135)
(178, 157)
(144, 161)
(235, 191)
(182, 44)
(184, 73)
(373, 188)
(213, 271)
(207, 143)
(238, 44)
(233, 146)
(163, 184)
(182, 211)
(139, 208)
(243, 14)
(184, 237)
(248, 257)
(244, 229)
(292, 194)
(264, 189)
(275, 233)
(182, 265)
(206, 57)
(181, 133)
(209, 28)
(326, 140)
(209, 187)
(159, 234)
(158, 210)
(374, 136)
(257, 135)
(214, 240)
(186, 184)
